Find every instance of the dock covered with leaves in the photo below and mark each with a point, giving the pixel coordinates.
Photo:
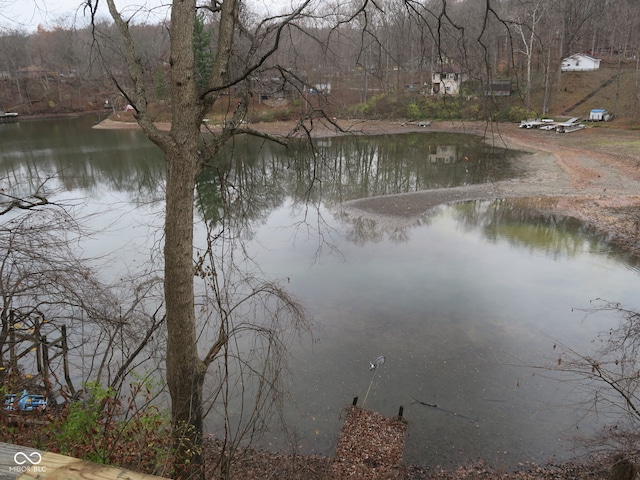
(369, 446)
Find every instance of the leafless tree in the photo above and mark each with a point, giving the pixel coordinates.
(182, 145)
(47, 288)
(525, 24)
(253, 321)
(609, 378)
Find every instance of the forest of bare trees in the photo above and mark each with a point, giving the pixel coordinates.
(389, 47)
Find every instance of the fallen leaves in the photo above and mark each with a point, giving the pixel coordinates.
(369, 447)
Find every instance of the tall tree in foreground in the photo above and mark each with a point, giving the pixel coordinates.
(194, 86)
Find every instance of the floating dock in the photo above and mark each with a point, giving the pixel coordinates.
(8, 117)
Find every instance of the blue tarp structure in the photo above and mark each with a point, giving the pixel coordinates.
(26, 402)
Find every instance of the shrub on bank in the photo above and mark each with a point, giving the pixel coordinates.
(101, 428)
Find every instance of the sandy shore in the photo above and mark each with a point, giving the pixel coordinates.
(592, 174)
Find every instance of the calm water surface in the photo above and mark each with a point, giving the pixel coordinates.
(459, 308)
(461, 301)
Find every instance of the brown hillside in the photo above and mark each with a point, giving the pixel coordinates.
(617, 97)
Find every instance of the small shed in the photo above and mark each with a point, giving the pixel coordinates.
(599, 115)
(498, 88)
(580, 62)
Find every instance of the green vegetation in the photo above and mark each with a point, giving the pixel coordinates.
(414, 106)
(202, 51)
(101, 428)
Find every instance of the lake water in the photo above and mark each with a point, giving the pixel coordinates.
(462, 301)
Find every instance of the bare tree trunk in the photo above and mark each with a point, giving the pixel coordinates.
(185, 370)
(559, 79)
(546, 99)
(636, 91)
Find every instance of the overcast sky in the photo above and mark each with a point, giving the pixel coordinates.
(28, 14)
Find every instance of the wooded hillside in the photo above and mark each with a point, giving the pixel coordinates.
(400, 52)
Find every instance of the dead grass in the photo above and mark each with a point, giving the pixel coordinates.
(616, 97)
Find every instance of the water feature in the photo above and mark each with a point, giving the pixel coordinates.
(461, 301)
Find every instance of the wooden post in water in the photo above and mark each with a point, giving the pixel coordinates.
(13, 360)
(65, 360)
(355, 401)
(45, 363)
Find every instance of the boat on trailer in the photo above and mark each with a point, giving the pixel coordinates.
(536, 123)
(569, 126)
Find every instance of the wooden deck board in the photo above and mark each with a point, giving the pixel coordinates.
(25, 463)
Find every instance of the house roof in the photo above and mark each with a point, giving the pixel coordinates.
(583, 55)
(447, 68)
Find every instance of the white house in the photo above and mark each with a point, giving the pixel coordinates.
(580, 62)
(447, 82)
